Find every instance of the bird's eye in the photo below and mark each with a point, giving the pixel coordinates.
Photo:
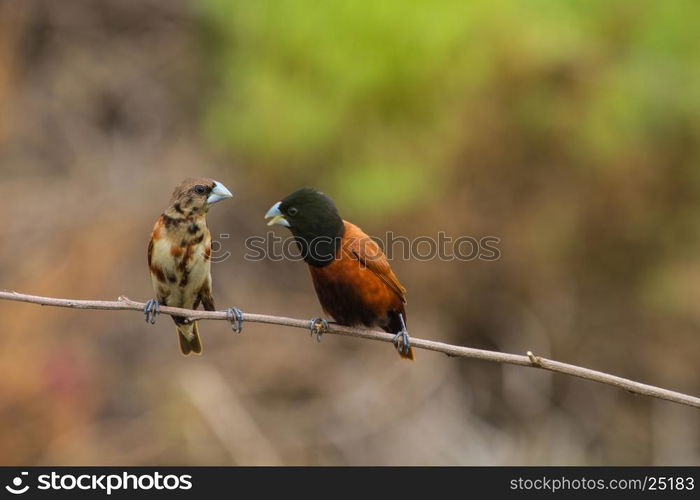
(199, 189)
(292, 211)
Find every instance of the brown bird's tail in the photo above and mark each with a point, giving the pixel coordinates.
(188, 335)
(409, 355)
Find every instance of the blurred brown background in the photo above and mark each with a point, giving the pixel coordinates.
(570, 130)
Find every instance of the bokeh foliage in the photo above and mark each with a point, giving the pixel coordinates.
(371, 99)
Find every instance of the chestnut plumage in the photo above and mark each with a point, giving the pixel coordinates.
(351, 275)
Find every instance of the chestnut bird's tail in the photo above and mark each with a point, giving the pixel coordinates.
(408, 355)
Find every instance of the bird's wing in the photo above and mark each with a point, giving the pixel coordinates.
(364, 249)
(206, 297)
(158, 277)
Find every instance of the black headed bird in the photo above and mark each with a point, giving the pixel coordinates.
(179, 256)
(351, 274)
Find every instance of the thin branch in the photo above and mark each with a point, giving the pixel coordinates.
(531, 360)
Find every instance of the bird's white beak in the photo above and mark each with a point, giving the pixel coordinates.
(218, 193)
(275, 216)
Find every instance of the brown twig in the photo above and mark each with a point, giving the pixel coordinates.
(125, 304)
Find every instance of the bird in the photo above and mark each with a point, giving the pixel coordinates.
(179, 256)
(351, 275)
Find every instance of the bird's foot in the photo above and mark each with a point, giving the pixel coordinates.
(401, 340)
(151, 310)
(235, 316)
(318, 327)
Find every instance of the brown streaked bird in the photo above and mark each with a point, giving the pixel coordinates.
(179, 256)
(351, 274)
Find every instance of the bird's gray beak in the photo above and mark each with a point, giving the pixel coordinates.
(275, 216)
(218, 193)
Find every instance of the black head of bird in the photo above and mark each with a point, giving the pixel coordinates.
(314, 221)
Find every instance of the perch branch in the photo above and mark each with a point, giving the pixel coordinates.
(530, 359)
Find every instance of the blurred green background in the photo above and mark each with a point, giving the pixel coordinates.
(569, 130)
